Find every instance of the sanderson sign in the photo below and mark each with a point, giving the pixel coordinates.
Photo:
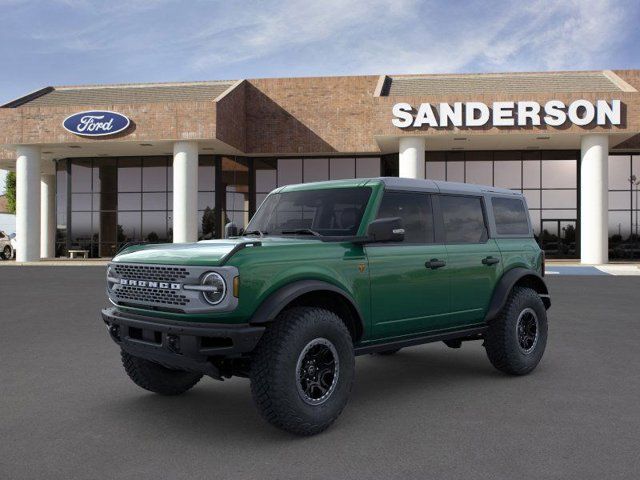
(507, 114)
(96, 123)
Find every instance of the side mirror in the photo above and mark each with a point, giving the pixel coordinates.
(385, 230)
(230, 230)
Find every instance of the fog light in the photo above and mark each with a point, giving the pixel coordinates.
(114, 331)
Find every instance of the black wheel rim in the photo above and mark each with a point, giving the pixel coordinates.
(317, 371)
(527, 330)
(6, 253)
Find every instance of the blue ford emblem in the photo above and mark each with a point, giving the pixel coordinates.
(96, 123)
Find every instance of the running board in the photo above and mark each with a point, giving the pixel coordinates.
(474, 333)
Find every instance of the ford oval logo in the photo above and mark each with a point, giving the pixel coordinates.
(96, 123)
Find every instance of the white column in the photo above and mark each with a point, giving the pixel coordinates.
(47, 215)
(412, 157)
(28, 203)
(185, 192)
(594, 199)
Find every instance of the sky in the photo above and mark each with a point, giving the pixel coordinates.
(71, 42)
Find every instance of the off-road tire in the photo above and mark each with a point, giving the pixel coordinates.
(392, 351)
(156, 378)
(274, 370)
(7, 253)
(501, 340)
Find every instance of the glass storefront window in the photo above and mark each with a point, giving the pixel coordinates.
(479, 172)
(559, 199)
(289, 171)
(367, 167)
(316, 169)
(154, 175)
(341, 168)
(531, 174)
(559, 174)
(624, 203)
(129, 175)
(436, 170)
(507, 174)
(455, 171)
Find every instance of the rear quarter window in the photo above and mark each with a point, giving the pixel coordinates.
(511, 216)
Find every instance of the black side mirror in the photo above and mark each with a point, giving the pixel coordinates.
(385, 230)
(230, 230)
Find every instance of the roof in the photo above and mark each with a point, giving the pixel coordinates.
(505, 83)
(398, 183)
(123, 93)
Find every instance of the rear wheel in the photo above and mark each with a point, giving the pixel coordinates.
(156, 378)
(6, 253)
(302, 370)
(516, 340)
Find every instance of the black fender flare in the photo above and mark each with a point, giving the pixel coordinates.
(508, 281)
(278, 300)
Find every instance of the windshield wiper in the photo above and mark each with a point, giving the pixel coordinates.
(301, 231)
(254, 232)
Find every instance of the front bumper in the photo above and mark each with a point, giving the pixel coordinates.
(181, 345)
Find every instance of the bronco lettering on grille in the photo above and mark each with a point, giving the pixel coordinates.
(148, 284)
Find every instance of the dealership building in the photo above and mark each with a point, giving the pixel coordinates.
(102, 165)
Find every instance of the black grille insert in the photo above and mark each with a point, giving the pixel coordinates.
(152, 295)
(155, 273)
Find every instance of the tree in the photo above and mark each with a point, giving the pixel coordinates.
(10, 191)
(208, 224)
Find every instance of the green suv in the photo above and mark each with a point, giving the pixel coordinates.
(324, 272)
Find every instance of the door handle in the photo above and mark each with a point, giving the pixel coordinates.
(434, 263)
(490, 261)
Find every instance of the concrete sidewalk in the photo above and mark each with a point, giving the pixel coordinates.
(572, 267)
(61, 262)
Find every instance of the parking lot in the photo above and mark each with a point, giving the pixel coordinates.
(68, 411)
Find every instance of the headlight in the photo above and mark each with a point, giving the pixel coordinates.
(110, 282)
(216, 289)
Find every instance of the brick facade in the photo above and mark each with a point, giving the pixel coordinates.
(321, 115)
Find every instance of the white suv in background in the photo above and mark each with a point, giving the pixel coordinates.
(6, 246)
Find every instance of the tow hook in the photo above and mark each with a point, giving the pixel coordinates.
(173, 343)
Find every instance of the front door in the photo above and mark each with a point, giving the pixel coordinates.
(409, 279)
(475, 263)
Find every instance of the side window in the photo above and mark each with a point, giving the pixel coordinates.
(463, 219)
(414, 209)
(511, 216)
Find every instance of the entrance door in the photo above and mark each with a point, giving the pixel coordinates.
(558, 238)
(409, 279)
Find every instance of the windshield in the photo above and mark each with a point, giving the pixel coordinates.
(326, 212)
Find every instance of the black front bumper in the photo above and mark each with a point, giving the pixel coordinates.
(181, 345)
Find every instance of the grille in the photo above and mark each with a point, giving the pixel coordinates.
(152, 272)
(153, 295)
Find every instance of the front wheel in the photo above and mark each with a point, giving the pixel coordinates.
(302, 370)
(156, 378)
(516, 339)
(6, 253)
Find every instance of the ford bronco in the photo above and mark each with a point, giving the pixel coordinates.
(324, 272)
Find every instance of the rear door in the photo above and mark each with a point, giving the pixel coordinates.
(409, 279)
(475, 263)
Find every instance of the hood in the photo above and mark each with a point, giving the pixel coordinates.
(207, 252)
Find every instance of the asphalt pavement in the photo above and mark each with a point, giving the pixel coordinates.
(68, 411)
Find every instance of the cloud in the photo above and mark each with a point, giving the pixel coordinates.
(80, 41)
